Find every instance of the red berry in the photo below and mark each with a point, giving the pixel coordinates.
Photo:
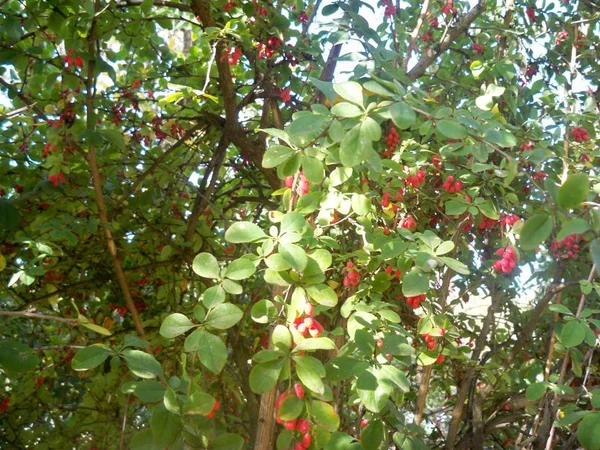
(302, 426)
(299, 390)
(290, 424)
(307, 440)
(364, 423)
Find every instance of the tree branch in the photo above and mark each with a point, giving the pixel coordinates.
(461, 26)
(415, 34)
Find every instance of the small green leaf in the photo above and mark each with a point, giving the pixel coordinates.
(572, 334)
(318, 343)
(345, 109)
(573, 226)
(452, 129)
(325, 416)
(310, 371)
(206, 265)
(294, 255)
(290, 408)
(574, 191)
(372, 435)
(263, 377)
(174, 325)
(90, 357)
(535, 231)
(263, 311)
(223, 316)
(242, 232)
(352, 152)
(228, 441)
(350, 90)
(240, 269)
(588, 431)
(150, 391)
(275, 155)
(199, 403)
(415, 283)
(141, 363)
(402, 115)
(213, 296)
(536, 390)
(323, 295)
(212, 352)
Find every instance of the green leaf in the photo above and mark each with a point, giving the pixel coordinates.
(325, 416)
(170, 401)
(370, 129)
(573, 226)
(275, 155)
(242, 232)
(310, 371)
(403, 115)
(141, 363)
(535, 231)
(317, 343)
(394, 375)
(206, 265)
(263, 377)
(223, 316)
(455, 207)
(488, 209)
(595, 252)
(228, 441)
(588, 431)
(212, 352)
(174, 325)
(199, 403)
(290, 408)
(536, 390)
(294, 255)
(263, 311)
(350, 90)
(352, 152)
(372, 435)
(150, 391)
(96, 328)
(9, 216)
(345, 109)
(361, 205)
(572, 334)
(240, 269)
(323, 295)
(142, 440)
(214, 295)
(501, 138)
(89, 357)
(313, 169)
(415, 283)
(281, 338)
(451, 129)
(574, 191)
(165, 426)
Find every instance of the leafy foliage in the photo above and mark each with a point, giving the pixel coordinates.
(201, 233)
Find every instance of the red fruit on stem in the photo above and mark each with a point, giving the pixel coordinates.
(299, 390)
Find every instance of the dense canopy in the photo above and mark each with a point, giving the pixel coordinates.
(299, 224)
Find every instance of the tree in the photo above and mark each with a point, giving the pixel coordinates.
(206, 242)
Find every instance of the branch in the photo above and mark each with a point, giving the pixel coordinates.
(415, 34)
(24, 99)
(31, 315)
(166, 4)
(461, 27)
(97, 179)
(510, 6)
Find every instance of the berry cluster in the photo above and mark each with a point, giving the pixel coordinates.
(415, 180)
(302, 186)
(301, 425)
(57, 178)
(430, 340)
(70, 59)
(527, 145)
(508, 261)
(530, 11)
(508, 220)
(352, 276)
(390, 9)
(580, 134)
(415, 302)
(396, 273)
(285, 95)
(407, 222)
(392, 142)
(229, 6)
(448, 8)
(561, 37)
(303, 17)
(539, 175)
(433, 22)
(307, 324)
(232, 55)
(452, 185)
(427, 37)
(267, 50)
(568, 247)
(478, 48)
